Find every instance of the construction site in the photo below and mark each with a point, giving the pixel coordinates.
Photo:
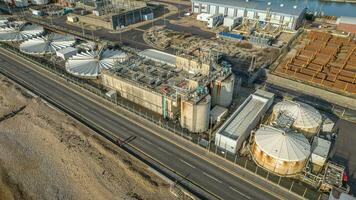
(323, 59)
(246, 60)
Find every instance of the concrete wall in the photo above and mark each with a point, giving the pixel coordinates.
(225, 143)
(141, 96)
(335, 98)
(189, 65)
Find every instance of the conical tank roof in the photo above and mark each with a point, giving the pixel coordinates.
(47, 44)
(282, 145)
(19, 31)
(304, 115)
(89, 64)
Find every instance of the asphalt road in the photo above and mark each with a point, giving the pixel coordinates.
(207, 175)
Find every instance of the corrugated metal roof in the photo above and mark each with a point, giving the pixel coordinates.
(159, 56)
(47, 44)
(282, 144)
(288, 8)
(304, 115)
(241, 119)
(89, 64)
(346, 20)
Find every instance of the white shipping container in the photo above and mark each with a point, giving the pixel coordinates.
(203, 17)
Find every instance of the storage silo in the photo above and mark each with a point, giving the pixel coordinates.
(195, 115)
(304, 117)
(282, 152)
(21, 3)
(222, 91)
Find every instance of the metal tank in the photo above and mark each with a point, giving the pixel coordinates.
(283, 152)
(305, 118)
(21, 3)
(222, 91)
(39, 2)
(195, 116)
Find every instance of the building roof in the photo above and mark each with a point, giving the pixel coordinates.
(240, 120)
(67, 50)
(346, 20)
(20, 31)
(304, 115)
(159, 56)
(47, 44)
(218, 112)
(321, 147)
(283, 145)
(89, 64)
(259, 5)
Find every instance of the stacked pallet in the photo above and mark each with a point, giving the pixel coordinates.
(326, 60)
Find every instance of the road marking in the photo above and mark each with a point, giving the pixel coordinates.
(212, 177)
(248, 197)
(190, 165)
(148, 142)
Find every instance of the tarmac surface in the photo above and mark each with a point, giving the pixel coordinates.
(207, 175)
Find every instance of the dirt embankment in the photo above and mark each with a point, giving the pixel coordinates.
(44, 154)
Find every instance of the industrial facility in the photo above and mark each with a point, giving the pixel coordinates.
(47, 44)
(288, 16)
(325, 60)
(237, 128)
(183, 86)
(114, 15)
(19, 31)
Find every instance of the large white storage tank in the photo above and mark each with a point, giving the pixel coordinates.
(21, 3)
(305, 118)
(39, 2)
(222, 91)
(280, 151)
(195, 116)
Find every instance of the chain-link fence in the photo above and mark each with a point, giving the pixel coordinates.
(173, 126)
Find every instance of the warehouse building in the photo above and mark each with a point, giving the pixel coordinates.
(347, 24)
(239, 125)
(289, 16)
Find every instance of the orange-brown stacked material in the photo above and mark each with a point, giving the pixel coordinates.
(326, 60)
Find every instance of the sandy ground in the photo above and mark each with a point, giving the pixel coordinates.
(46, 155)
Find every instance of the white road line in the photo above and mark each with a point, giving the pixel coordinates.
(247, 197)
(212, 177)
(190, 165)
(160, 148)
(148, 142)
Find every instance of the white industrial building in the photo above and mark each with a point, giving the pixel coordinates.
(239, 125)
(290, 16)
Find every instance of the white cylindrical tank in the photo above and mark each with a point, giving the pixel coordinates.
(21, 3)
(222, 91)
(282, 152)
(305, 118)
(195, 116)
(39, 2)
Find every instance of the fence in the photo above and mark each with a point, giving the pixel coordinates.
(293, 186)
